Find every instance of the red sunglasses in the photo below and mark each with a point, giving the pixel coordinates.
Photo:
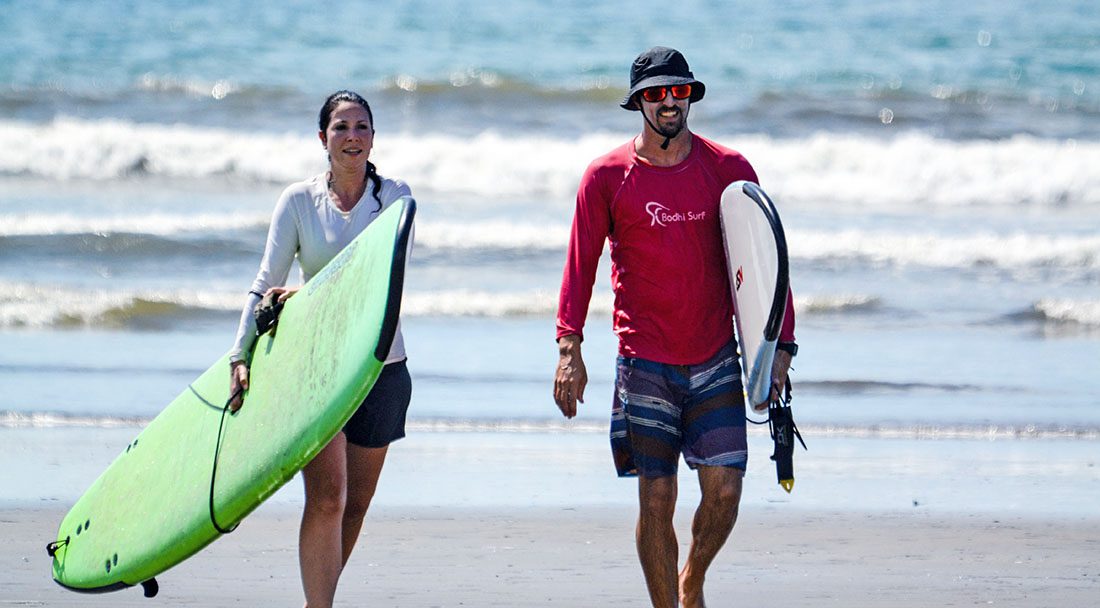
(655, 94)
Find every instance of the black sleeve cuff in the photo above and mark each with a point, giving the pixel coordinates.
(790, 347)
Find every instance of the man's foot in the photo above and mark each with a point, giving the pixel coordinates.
(691, 591)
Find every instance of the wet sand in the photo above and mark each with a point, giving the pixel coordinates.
(579, 557)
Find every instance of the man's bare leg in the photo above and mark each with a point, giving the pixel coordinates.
(656, 538)
(714, 519)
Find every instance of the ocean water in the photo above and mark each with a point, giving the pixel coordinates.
(934, 166)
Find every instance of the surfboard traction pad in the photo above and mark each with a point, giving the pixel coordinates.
(150, 509)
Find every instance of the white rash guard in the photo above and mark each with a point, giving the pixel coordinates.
(307, 223)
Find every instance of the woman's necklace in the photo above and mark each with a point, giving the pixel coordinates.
(339, 200)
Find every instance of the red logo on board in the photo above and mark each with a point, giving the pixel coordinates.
(739, 278)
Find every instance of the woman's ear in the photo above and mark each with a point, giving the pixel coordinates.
(321, 136)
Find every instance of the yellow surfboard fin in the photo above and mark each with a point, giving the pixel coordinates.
(787, 484)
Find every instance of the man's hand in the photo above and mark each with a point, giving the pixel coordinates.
(780, 366)
(571, 376)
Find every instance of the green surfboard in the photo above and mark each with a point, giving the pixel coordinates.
(196, 469)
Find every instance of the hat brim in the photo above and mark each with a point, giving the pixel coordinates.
(630, 102)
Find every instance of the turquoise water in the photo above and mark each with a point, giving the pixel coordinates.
(980, 69)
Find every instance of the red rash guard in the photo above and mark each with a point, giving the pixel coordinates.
(668, 269)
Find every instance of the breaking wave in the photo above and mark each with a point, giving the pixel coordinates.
(910, 169)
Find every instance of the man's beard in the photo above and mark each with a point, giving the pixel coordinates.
(672, 129)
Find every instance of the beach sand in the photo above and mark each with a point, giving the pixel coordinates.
(578, 557)
(530, 519)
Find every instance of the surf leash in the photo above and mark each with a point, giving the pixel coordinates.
(52, 548)
(149, 587)
(266, 313)
(784, 431)
(214, 470)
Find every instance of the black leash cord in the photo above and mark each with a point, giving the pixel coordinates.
(271, 318)
(52, 548)
(214, 470)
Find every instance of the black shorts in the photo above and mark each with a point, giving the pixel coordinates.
(380, 419)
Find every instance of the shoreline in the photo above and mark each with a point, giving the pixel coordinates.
(538, 556)
(1045, 478)
(922, 430)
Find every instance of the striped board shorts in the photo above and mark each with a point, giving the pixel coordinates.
(660, 411)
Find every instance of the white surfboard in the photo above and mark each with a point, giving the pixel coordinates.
(756, 257)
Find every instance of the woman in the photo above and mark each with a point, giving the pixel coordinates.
(314, 220)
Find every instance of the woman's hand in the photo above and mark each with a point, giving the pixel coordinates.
(284, 293)
(238, 384)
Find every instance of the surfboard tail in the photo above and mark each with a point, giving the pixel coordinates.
(760, 373)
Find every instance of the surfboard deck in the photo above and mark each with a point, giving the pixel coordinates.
(152, 508)
(756, 256)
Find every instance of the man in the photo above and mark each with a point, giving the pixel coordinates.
(678, 383)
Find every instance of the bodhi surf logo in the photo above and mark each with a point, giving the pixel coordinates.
(663, 216)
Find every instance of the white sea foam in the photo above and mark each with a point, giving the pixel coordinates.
(492, 234)
(158, 224)
(541, 303)
(112, 149)
(909, 169)
(11, 419)
(488, 234)
(1083, 312)
(472, 303)
(916, 169)
(462, 303)
(217, 89)
(488, 164)
(30, 305)
(430, 233)
(836, 303)
(1018, 252)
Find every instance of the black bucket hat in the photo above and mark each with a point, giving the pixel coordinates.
(657, 67)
